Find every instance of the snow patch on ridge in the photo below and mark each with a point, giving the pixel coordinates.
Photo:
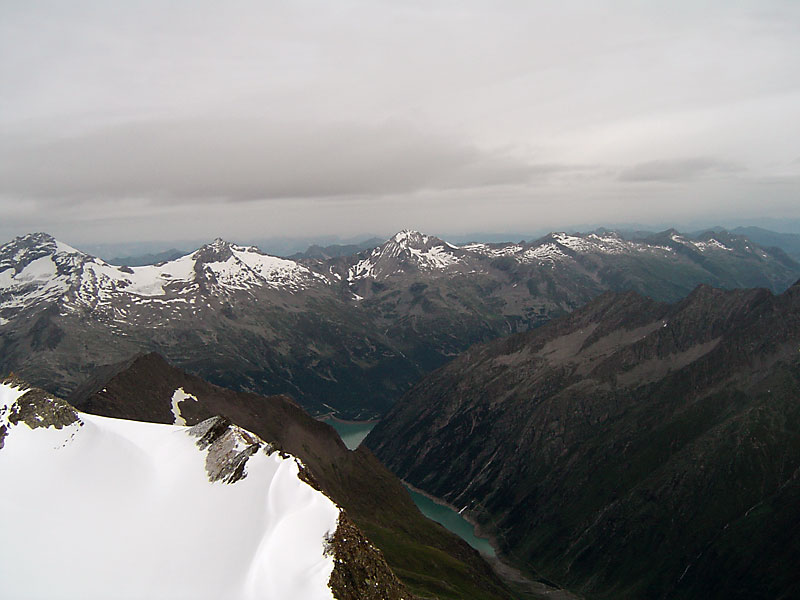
(560, 246)
(702, 246)
(248, 267)
(711, 244)
(40, 269)
(437, 257)
(177, 397)
(593, 243)
(573, 242)
(545, 253)
(8, 396)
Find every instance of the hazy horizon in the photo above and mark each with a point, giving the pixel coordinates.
(288, 245)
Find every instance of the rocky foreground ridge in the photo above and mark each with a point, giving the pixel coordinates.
(429, 560)
(632, 449)
(99, 507)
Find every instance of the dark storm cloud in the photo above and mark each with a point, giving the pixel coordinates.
(678, 170)
(251, 159)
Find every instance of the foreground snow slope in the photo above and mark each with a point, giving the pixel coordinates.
(94, 507)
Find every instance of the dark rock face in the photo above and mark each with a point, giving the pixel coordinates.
(632, 449)
(426, 557)
(36, 408)
(228, 448)
(354, 332)
(360, 571)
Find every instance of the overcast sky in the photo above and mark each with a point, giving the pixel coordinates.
(124, 121)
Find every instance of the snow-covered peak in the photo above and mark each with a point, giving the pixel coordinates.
(222, 248)
(158, 511)
(33, 240)
(216, 251)
(24, 249)
(409, 237)
(37, 269)
(406, 251)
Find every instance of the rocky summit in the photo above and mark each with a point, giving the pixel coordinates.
(345, 334)
(632, 449)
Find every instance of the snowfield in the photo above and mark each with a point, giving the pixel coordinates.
(106, 508)
(38, 268)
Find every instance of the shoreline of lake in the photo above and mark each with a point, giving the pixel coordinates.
(477, 531)
(333, 417)
(500, 563)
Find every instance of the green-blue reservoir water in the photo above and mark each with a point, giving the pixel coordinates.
(353, 433)
(451, 520)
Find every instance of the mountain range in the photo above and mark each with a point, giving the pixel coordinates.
(343, 334)
(631, 449)
(788, 242)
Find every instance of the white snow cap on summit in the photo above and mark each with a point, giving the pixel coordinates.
(107, 508)
(406, 236)
(409, 237)
(406, 247)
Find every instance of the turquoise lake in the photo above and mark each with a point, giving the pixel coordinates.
(451, 520)
(353, 434)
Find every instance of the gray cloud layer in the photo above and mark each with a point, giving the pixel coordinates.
(678, 170)
(446, 115)
(250, 160)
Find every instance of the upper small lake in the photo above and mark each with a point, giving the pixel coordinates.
(351, 432)
(354, 432)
